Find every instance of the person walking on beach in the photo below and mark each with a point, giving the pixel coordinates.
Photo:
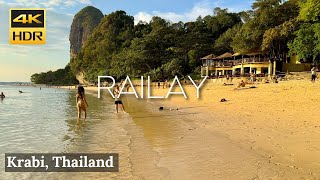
(252, 77)
(2, 95)
(314, 74)
(117, 99)
(81, 102)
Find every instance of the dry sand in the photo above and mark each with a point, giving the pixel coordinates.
(278, 124)
(269, 132)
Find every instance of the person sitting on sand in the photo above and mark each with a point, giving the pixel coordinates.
(117, 99)
(242, 84)
(81, 102)
(2, 95)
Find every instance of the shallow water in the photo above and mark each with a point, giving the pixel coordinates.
(45, 121)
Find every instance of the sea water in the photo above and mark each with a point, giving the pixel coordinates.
(45, 121)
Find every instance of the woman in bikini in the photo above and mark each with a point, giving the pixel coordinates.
(81, 102)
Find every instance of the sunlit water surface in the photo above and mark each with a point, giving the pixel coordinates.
(45, 121)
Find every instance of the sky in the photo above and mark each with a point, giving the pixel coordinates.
(19, 62)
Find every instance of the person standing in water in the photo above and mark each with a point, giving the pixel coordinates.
(2, 95)
(117, 99)
(81, 102)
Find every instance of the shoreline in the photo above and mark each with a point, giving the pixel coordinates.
(277, 122)
(268, 131)
(267, 120)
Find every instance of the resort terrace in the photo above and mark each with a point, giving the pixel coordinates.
(237, 64)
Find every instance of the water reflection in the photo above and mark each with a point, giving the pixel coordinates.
(77, 128)
(160, 128)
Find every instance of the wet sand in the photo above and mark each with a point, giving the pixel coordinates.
(269, 132)
(189, 149)
(272, 130)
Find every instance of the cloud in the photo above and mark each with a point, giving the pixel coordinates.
(58, 29)
(52, 3)
(202, 9)
(34, 58)
(49, 4)
(85, 1)
(142, 16)
(69, 3)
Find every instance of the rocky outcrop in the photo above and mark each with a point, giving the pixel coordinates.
(82, 27)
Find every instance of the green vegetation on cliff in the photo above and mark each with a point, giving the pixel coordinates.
(82, 26)
(109, 38)
(160, 49)
(61, 77)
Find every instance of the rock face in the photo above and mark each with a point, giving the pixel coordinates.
(82, 27)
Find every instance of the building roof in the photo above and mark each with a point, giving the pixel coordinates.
(210, 56)
(251, 53)
(225, 55)
(254, 53)
(237, 54)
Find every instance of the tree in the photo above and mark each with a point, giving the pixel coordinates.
(268, 27)
(306, 43)
(59, 77)
(114, 32)
(309, 10)
(223, 43)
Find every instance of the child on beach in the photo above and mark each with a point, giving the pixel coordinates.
(81, 102)
(117, 99)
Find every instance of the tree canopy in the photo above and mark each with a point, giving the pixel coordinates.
(163, 49)
(61, 77)
(160, 48)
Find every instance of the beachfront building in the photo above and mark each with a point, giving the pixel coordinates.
(208, 65)
(237, 64)
(242, 64)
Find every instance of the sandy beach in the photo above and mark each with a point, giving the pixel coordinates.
(271, 131)
(277, 123)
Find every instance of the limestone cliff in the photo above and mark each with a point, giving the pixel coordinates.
(82, 27)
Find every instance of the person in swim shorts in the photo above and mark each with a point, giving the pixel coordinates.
(117, 99)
